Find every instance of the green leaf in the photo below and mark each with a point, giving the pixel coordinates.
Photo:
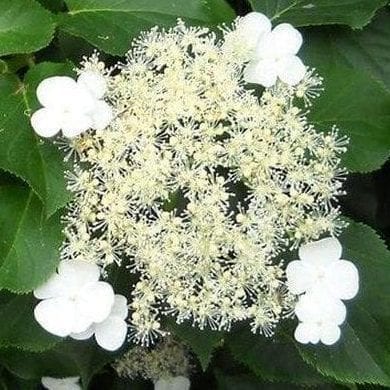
(355, 13)
(273, 359)
(22, 152)
(226, 381)
(360, 107)
(367, 50)
(363, 354)
(18, 327)
(111, 25)
(202, 342)
(69, 358)
(9, 381)
(53, 5)
(25, 26)
(29, 242)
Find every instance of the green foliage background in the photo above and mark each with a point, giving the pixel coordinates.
(348, 41)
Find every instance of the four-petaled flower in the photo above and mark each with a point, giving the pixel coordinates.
(73, 299)
(110, 334)
(69, 383)
(320, 268)
(275, 51)
(71, 106)
(325, 280)
(321, 316)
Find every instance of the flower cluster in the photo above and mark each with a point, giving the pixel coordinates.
(198, 185)
(75, 303)
(324, 281)
(167, 365)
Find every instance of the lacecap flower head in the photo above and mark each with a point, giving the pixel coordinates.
(197, 185)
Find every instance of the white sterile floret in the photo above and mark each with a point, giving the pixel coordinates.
(73, 299)
(321, 269)
(275, 56)
(71, 107)
(320, 317)
(173, 383)
(324, 280)
(69, 383)
(110, 334)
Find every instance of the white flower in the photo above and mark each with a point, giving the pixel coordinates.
(321, 316)
(325, 280)
(173, 383)
(71, 106)
(73, 299)
(70, 383)
(110, 334)
(251, 27)
(321, 270)
(275, 56)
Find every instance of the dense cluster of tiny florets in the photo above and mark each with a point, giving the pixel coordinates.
(198, 185)
(167, 359)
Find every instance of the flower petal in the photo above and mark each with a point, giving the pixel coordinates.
(75, 122)
(77, 274)
(329, 333)
(46, 122)
(286, 40)
(56, 92)
(320, 308)
(111, 333)
(252, 26)
(173, 383)
(299, 276)
(70, 383)
(307, 332)
(343, 279)
(54, 287)
(102, 115)
(83, 320)
(95, 300)
(291, 70)
(94, 82)
(82, 100)
(262, 72)
(119, 308)
(321, 252)
(84, 335)
(56, 315)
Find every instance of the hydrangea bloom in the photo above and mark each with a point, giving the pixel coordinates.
(110, 334)
(69, 383)
(173, 383)
(274, 53)
(200, 184)
(73, 299)
(71, 106)
(326, 280)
